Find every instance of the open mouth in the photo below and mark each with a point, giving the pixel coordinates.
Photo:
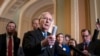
(47, 25)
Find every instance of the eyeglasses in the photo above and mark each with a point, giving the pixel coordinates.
(85, 35)
(48, 19)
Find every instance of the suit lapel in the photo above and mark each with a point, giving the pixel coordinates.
(4, 46)
(39, 34)
(50, 50)
(14, 42)
(41, 37)
(4, 40)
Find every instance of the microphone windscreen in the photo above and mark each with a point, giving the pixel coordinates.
(54, 30)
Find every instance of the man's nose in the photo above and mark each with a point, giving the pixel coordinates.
(47, 21)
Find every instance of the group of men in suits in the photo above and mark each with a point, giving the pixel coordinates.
(34, 42)
(39, 42)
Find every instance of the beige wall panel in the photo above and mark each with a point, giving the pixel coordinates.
(82, 17)
(1, 2)
(63, 16)
(68, 16)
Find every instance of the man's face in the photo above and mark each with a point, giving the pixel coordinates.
(86, 36)
(46, 21)
(10, 27)
(35, 24)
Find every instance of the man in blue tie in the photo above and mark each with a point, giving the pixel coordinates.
(35, 43)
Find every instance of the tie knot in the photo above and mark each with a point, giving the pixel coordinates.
(45, 34)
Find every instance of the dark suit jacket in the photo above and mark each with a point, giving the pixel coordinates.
(3, 44)
(32, 44)
(92, 45)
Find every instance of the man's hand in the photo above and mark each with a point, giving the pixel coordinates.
(86, 53)
(98, 26)
(50, 40)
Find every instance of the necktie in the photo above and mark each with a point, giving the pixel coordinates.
(10, 47)
(45, 34)
(86, 46)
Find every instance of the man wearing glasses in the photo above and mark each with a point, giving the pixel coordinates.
(89, 44)
(40, 42)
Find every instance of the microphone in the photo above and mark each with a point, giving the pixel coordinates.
(98, 20)
(77, 50)
(54, 31)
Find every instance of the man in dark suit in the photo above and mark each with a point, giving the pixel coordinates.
(89, 45)
(40, 42)
(9, 42)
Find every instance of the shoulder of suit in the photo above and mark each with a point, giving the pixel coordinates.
(28, 32)
(31, 32)
(3, 34)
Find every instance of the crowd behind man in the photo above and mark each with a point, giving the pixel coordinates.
(39, 42)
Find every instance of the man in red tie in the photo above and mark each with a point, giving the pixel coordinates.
(89, 44)
(9, 42)
(10, 48)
